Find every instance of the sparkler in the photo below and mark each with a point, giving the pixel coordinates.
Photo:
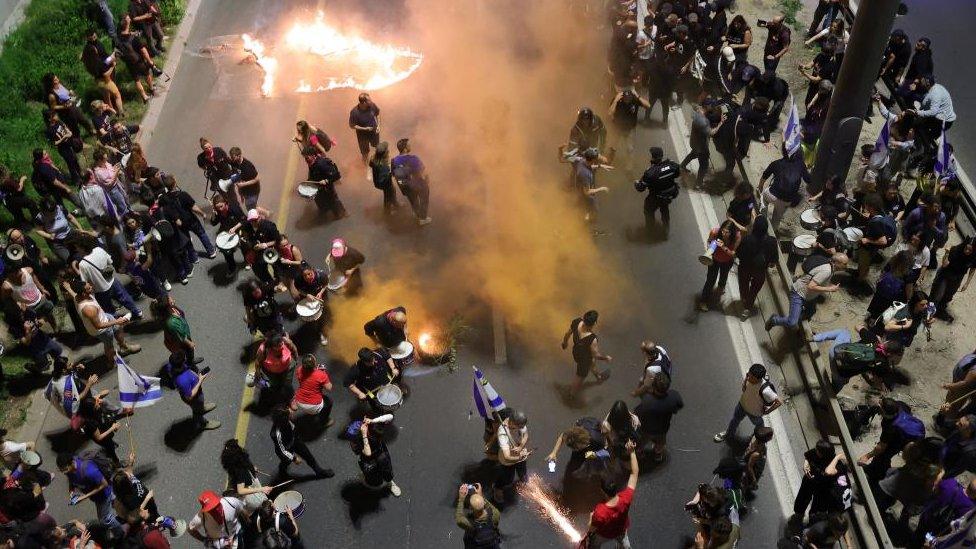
(533, 489)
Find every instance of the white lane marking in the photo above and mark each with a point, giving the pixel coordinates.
(784, 469)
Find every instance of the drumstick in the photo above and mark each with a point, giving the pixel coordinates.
(280, 484)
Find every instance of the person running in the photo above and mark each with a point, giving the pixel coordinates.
(289, 448)
(586, 350)
(610, 519)
(758, 399)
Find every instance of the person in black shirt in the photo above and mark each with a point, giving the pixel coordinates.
(374, 369)
(261, 310)
(788, 174)
(242, 476)
(756, 253)
(655, 411)
(382, 175)
(815, 462)
(247, 182)
(589, 449)
(771, 87)
(289, 448)
(896, 56)
(625, 109)
(312, 282)
(920, 65)
(585, 349)
(137, 59)
(347, 260)
(216, 167)
(100, 424)
(101, 66)
(824, 66)
(777, 42)
(188, 216)
(742, 207)
(365, 119)
(67, 144)
(958, 263)
(323, 171)
(388, 329)
(262, 234)
(229, 218)
(15, 197)
(877, 461)
(661, 182)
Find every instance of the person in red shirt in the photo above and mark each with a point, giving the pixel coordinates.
(274, 360)
(310, 398)
(146, 536)
(610, 520)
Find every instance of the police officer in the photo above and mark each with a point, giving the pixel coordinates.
(661, 182)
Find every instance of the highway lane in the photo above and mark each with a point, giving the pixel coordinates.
(438, 443)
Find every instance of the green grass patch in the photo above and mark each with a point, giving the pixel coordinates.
(791, 8)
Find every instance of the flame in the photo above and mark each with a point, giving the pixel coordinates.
(424, 341)
(366, 65)
(533, 489)
(269, 65)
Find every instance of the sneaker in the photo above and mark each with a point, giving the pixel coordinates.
(744, 314)
(130, 349)
(209, 407)
(196, 260)
(719, 437)
(424, 221)
(324, 341)
(395, 490)
(137, 315)
(247, 267)
(185, 281)
(190, 274)
(703, 305)
(167, 286)
(213, 255)
(211, 425)
(769, 324)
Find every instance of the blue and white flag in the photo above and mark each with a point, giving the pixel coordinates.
(945, 164)
(135, 389)
(884, 137)
(62, 393)
(486, 399)
(791, 133)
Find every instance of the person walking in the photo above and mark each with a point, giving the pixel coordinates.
(610, 519)
(311, 398)
(289, 448)
(88, 478)
(954, 275)
(478, 518)
(756, 252)
(410, 175)
(701, 131)
(374, 455)
(758, 399)
(777, 42)
(722, 241)
(189, 384)
(382, 176)
(586, 351)
(98, 270)
(655, 411)
(661, 182)
(365, 119)
(787, 174)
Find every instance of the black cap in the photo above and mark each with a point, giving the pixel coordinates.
(657, 153)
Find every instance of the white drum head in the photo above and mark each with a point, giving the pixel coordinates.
(288, 500)
(403, 350)
(227, 241)
(389, 395)
(804, 241)
(307, 190)
(810, 215)
(308, 307)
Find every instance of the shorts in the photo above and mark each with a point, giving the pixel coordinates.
(303, 409)
(583, 369)
(366, 139)
(43, 307)
(107, 336)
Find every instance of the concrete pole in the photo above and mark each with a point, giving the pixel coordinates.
(852, 93)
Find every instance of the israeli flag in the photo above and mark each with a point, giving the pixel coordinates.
(135, 389)
(884, 137)
(62, 393)
(486, 399)
(791, 133)
(945, 163)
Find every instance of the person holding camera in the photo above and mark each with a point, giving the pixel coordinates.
(661, 182)
(478, 518)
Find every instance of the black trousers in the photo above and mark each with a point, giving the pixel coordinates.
(302, 451)
(70, 158)
(419, 197)
(716, 271)
(16, 204)
(327, 200)
(653, 204)
(506, 474)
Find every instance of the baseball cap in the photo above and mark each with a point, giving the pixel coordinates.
(209, 500)
(253, 215)
(728, 53)
(338, 247)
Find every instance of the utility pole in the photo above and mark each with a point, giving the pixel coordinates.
(852, 93)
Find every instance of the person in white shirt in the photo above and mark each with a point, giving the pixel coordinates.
(758, 399)
(10, 450)
(218, 524)
(96, 268)
(100, 324)
(513, 436)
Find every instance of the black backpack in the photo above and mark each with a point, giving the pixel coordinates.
(327, 169)
(324, 140)
(814, 261)
(483, 535)
(102, 461)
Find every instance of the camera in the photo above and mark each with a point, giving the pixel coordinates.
(762, 23)
(205, 370)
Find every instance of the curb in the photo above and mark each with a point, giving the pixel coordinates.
(13, 21)
(40, 407)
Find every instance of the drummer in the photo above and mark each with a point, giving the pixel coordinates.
(312, 283)
(388, 329)
(347, 260)
(274, 359)
(263, 234)
(228, 218)
(374, 369)
(289, 263)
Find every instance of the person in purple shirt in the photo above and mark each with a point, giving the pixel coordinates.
(86, 481)
(365, 119)
(948, 502)
(189, 384)
(411, 176)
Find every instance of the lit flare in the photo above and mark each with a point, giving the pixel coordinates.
(268, 64)
(533, 489)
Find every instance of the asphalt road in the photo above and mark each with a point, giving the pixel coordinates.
(438, 443)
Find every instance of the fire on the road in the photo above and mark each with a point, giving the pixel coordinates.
(533, 489)
(354, 62)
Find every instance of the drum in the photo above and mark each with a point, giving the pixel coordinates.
(224, 185)
(402, 354)
(290, 499)
(162, 229)
(30, 458)
(389, 397)
(309, 309)
(227, 241)
(803, 244)
(810, 219)
(337, 282)
(852, 236)
(308, 190)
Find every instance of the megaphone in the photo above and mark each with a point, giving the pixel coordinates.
(15, 252)
(271, 256)
(706, 258)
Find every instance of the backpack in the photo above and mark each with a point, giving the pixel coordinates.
(330, 170)
(892, 311)
(889, 226)
(98, 457)
(484, 535)
(766, 384)
(814, 261)
(909, 426)
(324, 140)
(273, 538)
(855, 354)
